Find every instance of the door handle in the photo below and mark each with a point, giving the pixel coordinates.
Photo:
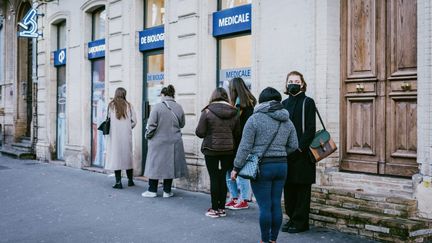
(359, 88)
(406, 86)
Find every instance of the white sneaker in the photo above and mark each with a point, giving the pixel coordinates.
(149, 194)
(168, 194)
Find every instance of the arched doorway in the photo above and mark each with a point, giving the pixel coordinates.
(24, 81)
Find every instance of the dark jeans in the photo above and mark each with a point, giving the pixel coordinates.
(297, 204)
(167, 183)
(268, 193)
(217, 167)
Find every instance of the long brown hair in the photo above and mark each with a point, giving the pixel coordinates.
(237, 88)
(119, 103)
(219, 94)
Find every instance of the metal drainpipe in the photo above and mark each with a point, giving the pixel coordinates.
(34, 89)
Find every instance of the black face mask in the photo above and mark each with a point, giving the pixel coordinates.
(293, 88)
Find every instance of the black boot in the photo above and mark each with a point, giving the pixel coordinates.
(129, 174)
(118, 184)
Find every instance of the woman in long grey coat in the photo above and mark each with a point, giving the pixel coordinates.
(119, 141)
(165, 157)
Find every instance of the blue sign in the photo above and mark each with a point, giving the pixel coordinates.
(96, 49)
(60, 57)
(29, 25)
(232, 20)
(152, 38)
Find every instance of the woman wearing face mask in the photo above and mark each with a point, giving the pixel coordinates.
(301, 167)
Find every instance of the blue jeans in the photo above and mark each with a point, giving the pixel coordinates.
(268, 193)
(233, 186)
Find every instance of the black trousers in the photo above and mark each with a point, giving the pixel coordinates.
(297, 204)
(153, 184)
(217, 167)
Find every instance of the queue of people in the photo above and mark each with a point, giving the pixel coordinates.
(232, 126)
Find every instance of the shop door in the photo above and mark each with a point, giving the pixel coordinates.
(379, 90)
(61, 112)
(153, 84)
(99, 109)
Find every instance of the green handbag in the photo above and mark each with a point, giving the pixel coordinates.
(322, 145)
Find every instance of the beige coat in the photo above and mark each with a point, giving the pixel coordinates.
(119, 141)
(165, 156)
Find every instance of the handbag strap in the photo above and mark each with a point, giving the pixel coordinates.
(169, 108)
(107, 114)
(303, 116)
(271, 141)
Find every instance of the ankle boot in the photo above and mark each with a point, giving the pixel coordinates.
(118, 184)
(129, 174)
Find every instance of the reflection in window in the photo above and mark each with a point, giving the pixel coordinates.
(2, 68)
(99, 18)
(61, 33)
(155, 63)
(155, 77)
(235, 60)
(233, 3)
(155, 13)
(236, 52)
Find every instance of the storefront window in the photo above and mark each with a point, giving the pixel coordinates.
(2, 68)
(235, 59)
(99, 18)
(99, 105)
(61, 95)
(155, 13)
(155, 77)
(224, 4)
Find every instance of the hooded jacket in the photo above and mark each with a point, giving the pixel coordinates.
(219, 125)
(259, 131)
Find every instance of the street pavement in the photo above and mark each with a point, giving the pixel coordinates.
(43, 202)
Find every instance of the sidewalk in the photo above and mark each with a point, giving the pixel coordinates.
(43, 202)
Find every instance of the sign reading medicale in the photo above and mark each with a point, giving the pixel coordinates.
(225, 75)
(96, 49)
(152, 38)
(60, 57)
(232, 20)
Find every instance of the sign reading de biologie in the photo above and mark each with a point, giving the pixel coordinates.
(152, 38)
(232, 20)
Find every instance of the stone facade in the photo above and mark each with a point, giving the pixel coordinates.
(286, 35)
(17, 100)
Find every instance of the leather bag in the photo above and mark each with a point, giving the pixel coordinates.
(322, 145)
(105, 125)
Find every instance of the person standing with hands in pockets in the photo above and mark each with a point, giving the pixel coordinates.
(301, 167)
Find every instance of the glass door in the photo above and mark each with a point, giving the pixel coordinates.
(61, 112)
(154, 79)
(98, 111)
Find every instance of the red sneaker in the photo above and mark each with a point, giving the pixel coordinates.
(231, 203)
(241, 205)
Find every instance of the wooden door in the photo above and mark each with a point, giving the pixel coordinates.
(379, 73)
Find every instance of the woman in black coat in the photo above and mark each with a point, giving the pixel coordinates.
(301, 166)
